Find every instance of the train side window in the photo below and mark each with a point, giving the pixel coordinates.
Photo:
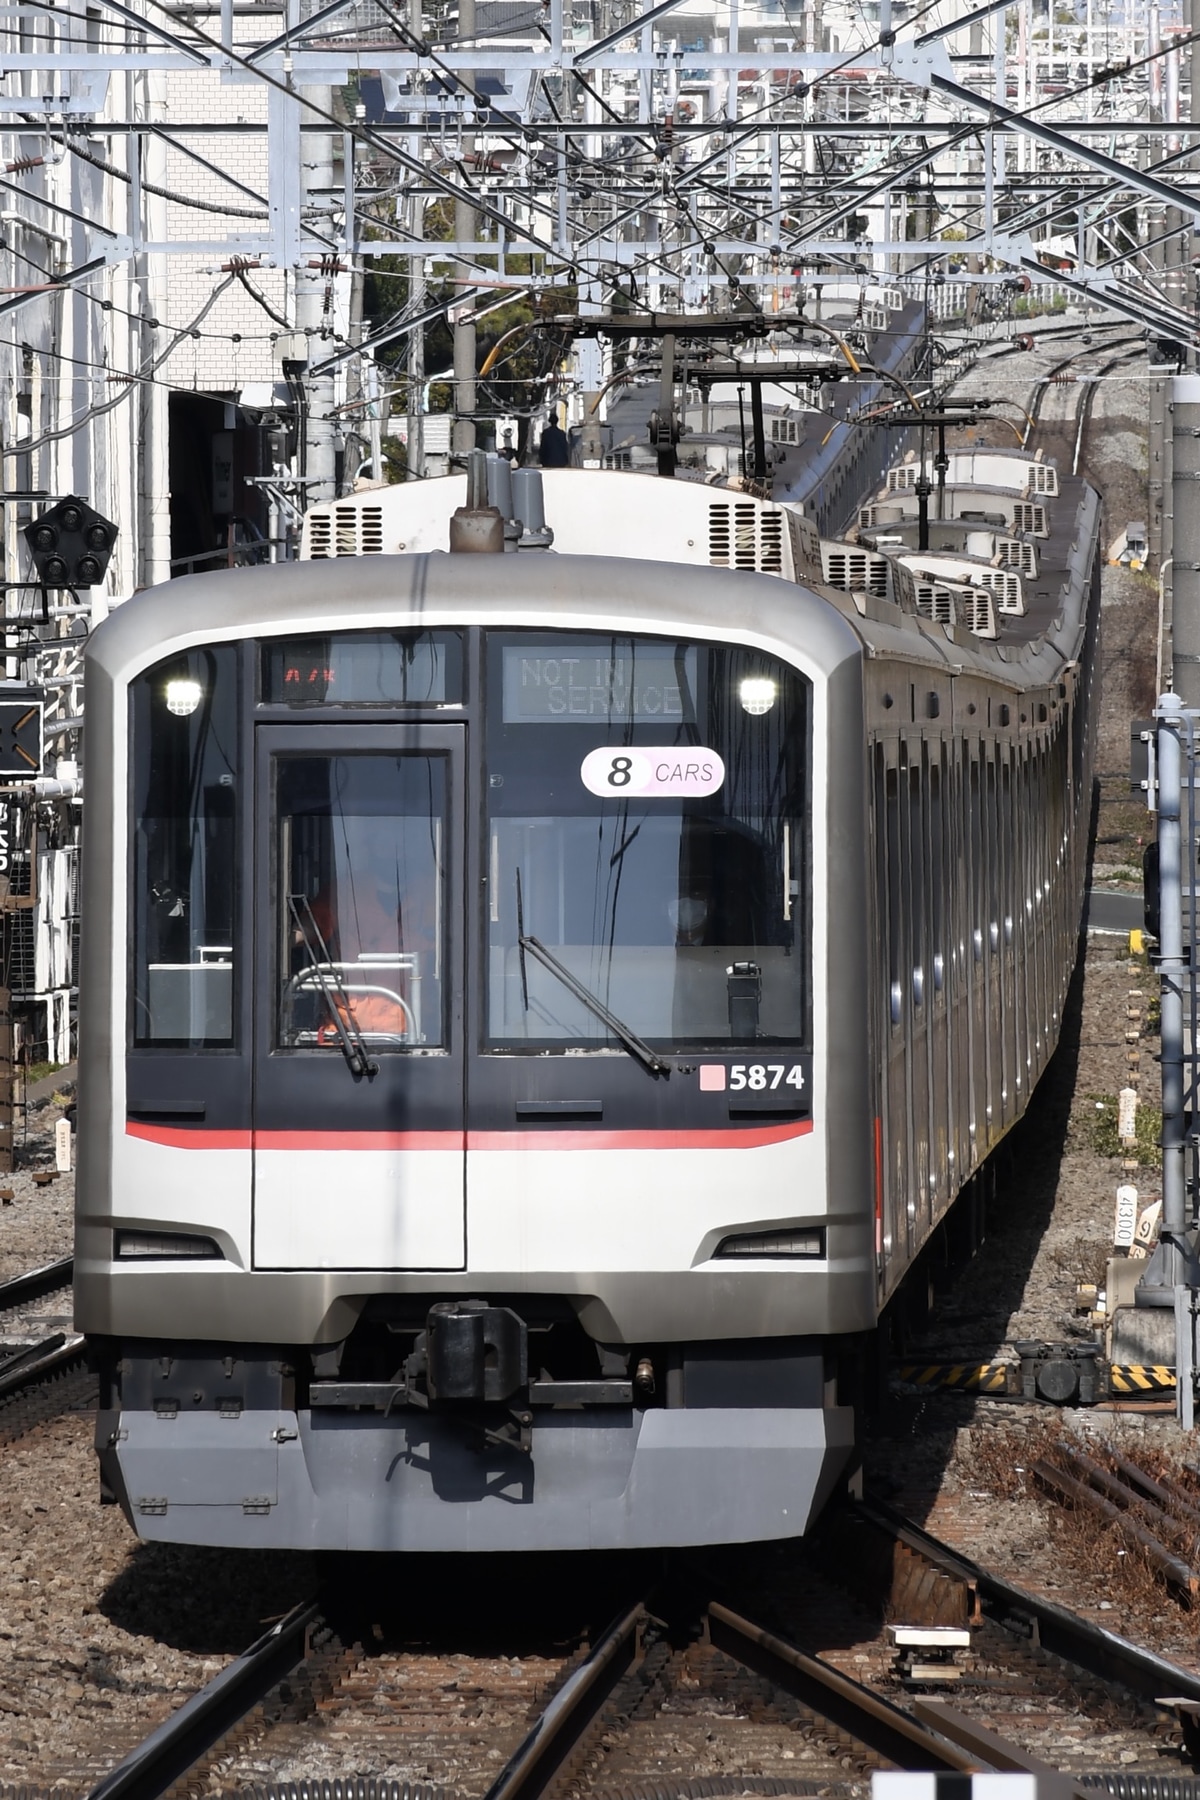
(935, 839)
(184, 763)
(916, 852)
(975, 838)
(896, 933)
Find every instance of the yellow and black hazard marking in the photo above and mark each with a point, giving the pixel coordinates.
(1141, 1378)
(975, 1378)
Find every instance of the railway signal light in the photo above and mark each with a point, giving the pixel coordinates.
(71, 544)
(20, 735)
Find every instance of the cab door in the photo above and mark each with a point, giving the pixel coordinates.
(358, 1101)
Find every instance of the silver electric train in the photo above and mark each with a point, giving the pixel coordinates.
(537, 1005)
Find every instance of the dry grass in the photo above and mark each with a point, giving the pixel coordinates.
(1083, 1261)
(1097, 1556)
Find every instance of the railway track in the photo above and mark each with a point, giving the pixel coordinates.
(935, 1583)
(39, 1381)
(1064, 436)
(667, 1666)
(1031, 1657)
(43, 1382)
(1062, 433)
(680, 1697)
(36, 1284)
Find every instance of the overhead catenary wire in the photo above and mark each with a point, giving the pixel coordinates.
(658, 260)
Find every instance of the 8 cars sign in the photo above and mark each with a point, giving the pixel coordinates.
(648, 772)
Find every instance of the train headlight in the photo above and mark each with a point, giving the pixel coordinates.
(786, 1243)
(183, 696)
(157, 1246)
(757, 694)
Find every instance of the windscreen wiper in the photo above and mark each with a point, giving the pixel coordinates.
(337, 1000)
(632, 1042)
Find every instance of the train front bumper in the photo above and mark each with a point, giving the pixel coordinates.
(350, 1481)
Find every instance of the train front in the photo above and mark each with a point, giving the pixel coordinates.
(470, 1149)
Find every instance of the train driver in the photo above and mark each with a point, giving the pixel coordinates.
(376, 929)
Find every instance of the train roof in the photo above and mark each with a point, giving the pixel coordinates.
(366, 555)
(540, 590)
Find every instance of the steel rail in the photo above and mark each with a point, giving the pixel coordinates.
(937, 1742)
(892, 1734)
(1084, 1482)
(171, 1750)
(30, 1366)
(32, 1353)
(1041, 1622)
(536, 1761)
(36, 1282)
(884, 1729)
(1088, 404)
(1041, 389)
(997, 1752)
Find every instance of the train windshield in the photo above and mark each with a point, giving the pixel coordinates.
(648, 843)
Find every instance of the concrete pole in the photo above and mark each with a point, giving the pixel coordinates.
(466, 226)
(415, 459)
(1170, 762)
(1188, 238)
(1172, 1269)
(1158, 509)
(153, 445)
(1160, 448)
(1175, 248)
(1185, 573)
(321, 436)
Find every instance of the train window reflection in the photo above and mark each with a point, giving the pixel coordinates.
(680, 905)
(185, 760)
(359, 910)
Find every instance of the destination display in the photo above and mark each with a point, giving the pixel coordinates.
(647, 685)
(363, 668)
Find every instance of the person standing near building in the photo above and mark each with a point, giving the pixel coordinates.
(554, 449)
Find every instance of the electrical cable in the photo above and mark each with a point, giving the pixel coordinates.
(151, 187)
(97, 411)
(122, 312)
(261, 299)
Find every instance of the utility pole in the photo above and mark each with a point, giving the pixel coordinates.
(466, 225)
(1160, 444)
(1172, 1274)
(149, 159)
(1185, 585)
(314, 320)
(415, 457)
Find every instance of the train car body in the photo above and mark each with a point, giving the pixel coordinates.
(536, 1006)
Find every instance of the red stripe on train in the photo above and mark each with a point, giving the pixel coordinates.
(176, 1138)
